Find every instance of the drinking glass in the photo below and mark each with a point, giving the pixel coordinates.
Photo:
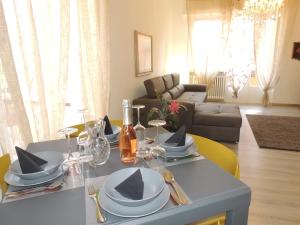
(72, 163)
(139, 128)
(83, 135)
(66, 132)
(157, 150)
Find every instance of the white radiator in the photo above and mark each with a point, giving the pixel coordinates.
(217, 90)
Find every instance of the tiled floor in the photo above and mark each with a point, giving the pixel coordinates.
(273, 175)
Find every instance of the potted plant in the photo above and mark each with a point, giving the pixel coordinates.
(169, 112)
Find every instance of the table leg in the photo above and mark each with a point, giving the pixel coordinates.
(237, 216)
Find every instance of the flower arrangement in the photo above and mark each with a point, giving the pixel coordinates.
(169, 112)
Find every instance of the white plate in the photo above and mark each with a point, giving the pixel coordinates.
(114, 141)
(54, 159)
(114, 136)
(125, 211)
(169, 148)
(14, 180)
(153, 185)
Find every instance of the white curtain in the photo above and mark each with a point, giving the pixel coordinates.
(269, 39)
(208, 24)
(239, 59)
(43, 60)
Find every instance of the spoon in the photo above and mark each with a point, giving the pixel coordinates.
(169, 178)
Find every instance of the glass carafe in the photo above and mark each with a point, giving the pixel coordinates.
(99, 145)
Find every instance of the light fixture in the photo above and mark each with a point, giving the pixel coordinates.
(261, 10)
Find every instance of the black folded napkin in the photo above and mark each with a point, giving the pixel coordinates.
(178, 139)
(132, 187)
(29, 163)
(108, 129)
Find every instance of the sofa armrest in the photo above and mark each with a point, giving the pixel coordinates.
(195, 87)
(186, 116)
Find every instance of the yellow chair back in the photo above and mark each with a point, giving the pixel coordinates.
(219, 154)
(224, 158)
(4, 165)
(81, 127)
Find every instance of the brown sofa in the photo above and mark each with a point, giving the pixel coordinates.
(168, 87)
(219, 122)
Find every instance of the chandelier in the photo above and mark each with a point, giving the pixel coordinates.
(259, 10)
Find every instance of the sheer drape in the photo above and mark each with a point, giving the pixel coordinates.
(37, 64)
(239, 60)
(94, 56)
(14, 124)
(269, 39)
(208, 25)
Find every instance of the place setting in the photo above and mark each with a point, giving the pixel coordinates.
(173, 147)
(112, 133)
(33, 174)
(131, 193)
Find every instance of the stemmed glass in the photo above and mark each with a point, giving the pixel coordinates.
(83, 136)
(139, 128)
(66, 132)
(72, 162)
(157, 150)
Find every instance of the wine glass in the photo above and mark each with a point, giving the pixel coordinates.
(83, 135)
(66, 132)
(157, 150)
(139, 128)
(72, 163)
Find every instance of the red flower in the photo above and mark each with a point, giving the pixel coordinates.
(174, 107)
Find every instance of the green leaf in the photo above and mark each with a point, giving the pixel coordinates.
(154, 111)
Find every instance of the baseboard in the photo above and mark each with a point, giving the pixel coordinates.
(284, 104)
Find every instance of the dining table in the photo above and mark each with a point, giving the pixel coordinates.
(210, 190)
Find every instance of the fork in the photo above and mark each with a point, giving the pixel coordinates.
(94, 195)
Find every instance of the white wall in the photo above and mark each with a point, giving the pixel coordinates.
(165, 20)
(288, 89)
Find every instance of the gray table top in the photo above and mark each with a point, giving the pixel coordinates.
(211, 189)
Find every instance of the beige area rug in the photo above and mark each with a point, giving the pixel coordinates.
(278, 132)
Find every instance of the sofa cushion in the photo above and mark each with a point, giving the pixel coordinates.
(154, 86)
(222, 115)
(192, 97)
(166, 95)
(176, 79)
(175, 92)
(168, 81)
(180, 88)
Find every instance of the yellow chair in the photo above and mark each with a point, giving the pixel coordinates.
(81, 127)
(219, 154)
(224, 158)
(4, 165)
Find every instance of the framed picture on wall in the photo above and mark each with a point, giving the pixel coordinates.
(143, 53)
(296, 51)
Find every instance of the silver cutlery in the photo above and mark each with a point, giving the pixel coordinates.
(95, 196)
(55, 186)
(174, 159)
